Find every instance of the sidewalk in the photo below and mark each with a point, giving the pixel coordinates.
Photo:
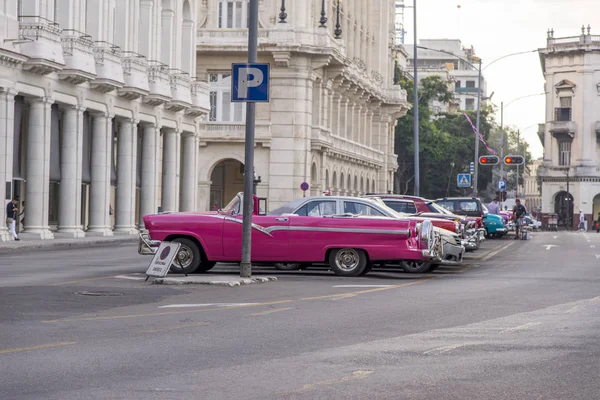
(31, 242)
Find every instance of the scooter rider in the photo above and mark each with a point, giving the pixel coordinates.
(519, 212)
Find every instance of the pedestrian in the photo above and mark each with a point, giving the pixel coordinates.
(581, 220)
(519, 212)
(12, 210)
(494, 207)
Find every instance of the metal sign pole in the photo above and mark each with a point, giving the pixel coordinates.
(246, 264)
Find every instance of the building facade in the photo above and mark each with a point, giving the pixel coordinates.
(571, 167)
(464, 75)
(99, 110)
(333, 105)
(531, 188)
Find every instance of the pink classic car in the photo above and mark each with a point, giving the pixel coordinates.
(350, 244)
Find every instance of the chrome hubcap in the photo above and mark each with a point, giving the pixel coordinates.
(184, 257)
(347, 259)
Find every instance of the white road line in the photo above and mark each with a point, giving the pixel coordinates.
(597, 256)
(520, 327)
(443, 349)
(593, 246)
(129, 277)
(362, 286)
(207, 305)
(271, 311)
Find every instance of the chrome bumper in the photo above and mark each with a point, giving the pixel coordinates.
(473, 239)
(453, 254)
(147, 246)
(435, 253)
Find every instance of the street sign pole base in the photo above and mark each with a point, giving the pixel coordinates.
(246, 270)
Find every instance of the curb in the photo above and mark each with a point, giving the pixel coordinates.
(197, 280)
(66, 245)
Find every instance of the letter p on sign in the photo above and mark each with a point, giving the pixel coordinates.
(250, 82)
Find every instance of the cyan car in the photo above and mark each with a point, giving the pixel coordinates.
(494, 224)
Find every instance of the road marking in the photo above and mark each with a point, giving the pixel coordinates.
(83, 280)
(493, 253)
(268, 303)
(555, 237)
(170, 328)
(344, 296)
(207, 305)
(41, 346)
(549, 246)
(314, 386)
(130, 277)
(520, 327)
(362, 286)
(443, 349)
(597, 256)
(593, 246)
(271, 311)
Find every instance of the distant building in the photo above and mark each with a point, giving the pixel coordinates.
(463, 75)
(531, 187)
(571, 172)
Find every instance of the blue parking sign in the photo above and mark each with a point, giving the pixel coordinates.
(250, 82)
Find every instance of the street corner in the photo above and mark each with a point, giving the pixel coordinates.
(215, 280)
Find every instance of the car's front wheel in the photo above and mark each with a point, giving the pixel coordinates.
(348, 262)
(415, 267)
(189, 258)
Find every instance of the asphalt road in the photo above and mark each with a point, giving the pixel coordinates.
(519, 320)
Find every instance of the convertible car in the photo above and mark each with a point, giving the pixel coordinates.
(349, 243)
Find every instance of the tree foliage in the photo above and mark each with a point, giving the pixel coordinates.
(446, 144)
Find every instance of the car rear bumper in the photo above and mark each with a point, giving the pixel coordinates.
(453, 254)
(147, 246)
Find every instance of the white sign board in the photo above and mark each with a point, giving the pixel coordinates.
(161, 262)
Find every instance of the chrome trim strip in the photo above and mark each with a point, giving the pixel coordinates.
(344, 230)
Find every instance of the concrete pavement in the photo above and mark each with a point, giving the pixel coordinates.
(520, 321)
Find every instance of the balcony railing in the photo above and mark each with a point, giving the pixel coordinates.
(158, 80)
(80, 65)
(135, 72)
(41, 42)
(200, 99)
(180, 82)
(234, 132)
(108, 67)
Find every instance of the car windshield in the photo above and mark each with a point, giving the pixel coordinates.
(438, 209)
(234, 206)
(387, 208)
(470, 206)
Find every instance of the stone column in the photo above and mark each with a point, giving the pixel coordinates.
(38, 168)
(7, 125)
(169, 171)
(188, 172)
(343, 123)
(126, 172)
(69, 203)
(334, 122)
(99, 222)
(149, 171)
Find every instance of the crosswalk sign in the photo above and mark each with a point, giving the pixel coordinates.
(463, 180)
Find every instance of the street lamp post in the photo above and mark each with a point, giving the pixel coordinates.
(476, 136)
(416, 107)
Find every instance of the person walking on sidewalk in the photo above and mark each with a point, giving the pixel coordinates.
(494, 207)
(12, 209)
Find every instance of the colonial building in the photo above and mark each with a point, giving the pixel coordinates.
(571, 168)
(531, 187)
(333, 105)
(98, 113)
(461, 70)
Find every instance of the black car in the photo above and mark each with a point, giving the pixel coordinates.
(468, 206)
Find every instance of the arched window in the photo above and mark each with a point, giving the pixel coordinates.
(233, 14)
(187, 40)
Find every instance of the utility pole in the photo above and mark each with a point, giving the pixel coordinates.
(248, 206)
(501, 149)
(416, 106)
(477, 136)
(518, 152)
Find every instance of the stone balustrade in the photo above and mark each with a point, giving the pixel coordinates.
(109, 71)
(181, 90)
(135, 73)
(41, 42)
(159, 84)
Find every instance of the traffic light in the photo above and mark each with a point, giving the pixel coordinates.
(488, 160)
(514, 160)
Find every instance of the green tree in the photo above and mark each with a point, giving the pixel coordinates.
(446, 143)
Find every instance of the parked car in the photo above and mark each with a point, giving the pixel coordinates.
(452, 251)
(350, 244)
(534, 223)
(494, 224)
(419, 206)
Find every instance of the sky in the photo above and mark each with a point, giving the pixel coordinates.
(496, 28)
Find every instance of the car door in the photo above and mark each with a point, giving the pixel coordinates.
(270, 238)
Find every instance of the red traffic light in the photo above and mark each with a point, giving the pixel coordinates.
(514, 160)
(488, 160)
